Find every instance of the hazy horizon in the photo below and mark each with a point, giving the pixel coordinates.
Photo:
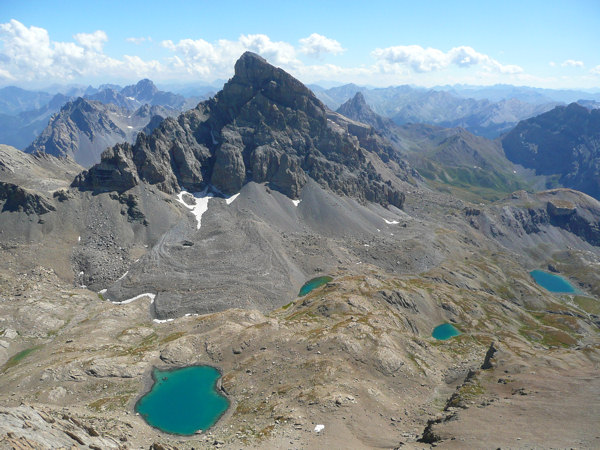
(387, 44)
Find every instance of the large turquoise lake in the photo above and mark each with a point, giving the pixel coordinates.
(552, 282)
(183, 401)
(445, 331)
(313, 284)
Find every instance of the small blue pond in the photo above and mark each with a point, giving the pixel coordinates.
(313, 284)
(445, 331)
(551, 282)
(183, 401)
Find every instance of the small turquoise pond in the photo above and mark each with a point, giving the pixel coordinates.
(183, 401)
(313, 284)
(551, 282)
(445, 331)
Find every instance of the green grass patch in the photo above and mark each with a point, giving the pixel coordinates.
(110, 403)
(589, 305)
(16, 359)
(173, 337)
(471, 184)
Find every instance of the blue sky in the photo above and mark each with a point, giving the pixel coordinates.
(536, 43)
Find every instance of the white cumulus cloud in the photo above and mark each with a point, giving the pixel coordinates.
(28, 54)
(92, 41)
(317, 44)
(217, 59)
(572, 63)
(430, 59)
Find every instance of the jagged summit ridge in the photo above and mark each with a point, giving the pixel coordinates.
(264, 126)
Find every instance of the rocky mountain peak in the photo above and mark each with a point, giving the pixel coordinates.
(357, 108)
(254, 75)
(80, 103)
(143, 90)
(250, 62)
(358, 101)
(265, 126)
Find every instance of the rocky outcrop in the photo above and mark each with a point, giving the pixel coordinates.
(560, 208)
(264, 126)
(116, 172)
(396, 298)
(489, 360)
(25, 427)
(526, 215)
(18, 199)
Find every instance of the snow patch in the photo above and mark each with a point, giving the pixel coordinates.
(129, 126)
(319, 428)
(147, 294)
(130, 98)
(296, 202)
(78, 238)
(232, 198)
(202, 198)
(162, 321)
(103, 291)
(201, 205)
(390, 222)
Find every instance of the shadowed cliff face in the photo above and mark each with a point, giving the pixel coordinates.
(264, 126)
(564, 142)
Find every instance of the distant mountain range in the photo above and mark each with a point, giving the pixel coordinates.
(20, 129)
(440, 131)
(83, 129)
(406, 104)
(451, 158)
(24, 114)
(14, 100)
(525, 94)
